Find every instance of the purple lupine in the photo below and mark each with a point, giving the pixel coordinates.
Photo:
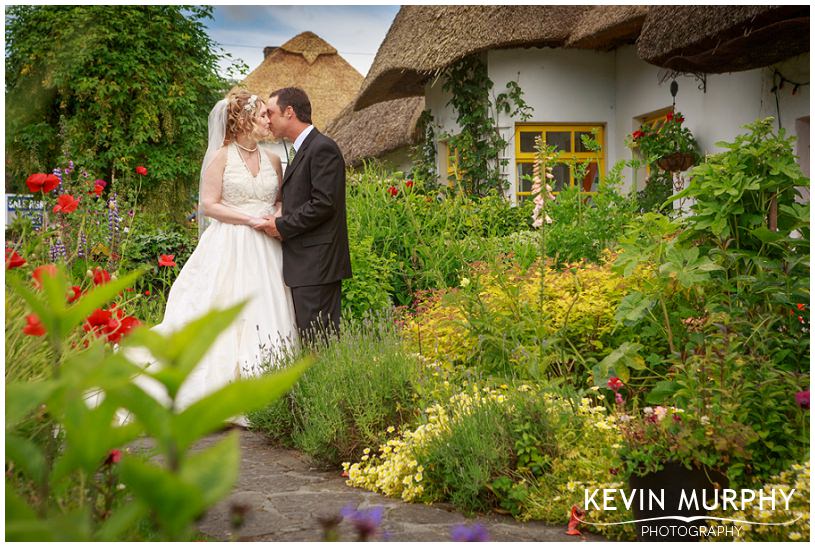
(53, 253)
(60, 250)
(83, 243)
(463, 532)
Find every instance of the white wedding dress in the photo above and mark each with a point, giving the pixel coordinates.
(231, 263)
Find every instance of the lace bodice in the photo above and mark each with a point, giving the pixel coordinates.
(252, 195)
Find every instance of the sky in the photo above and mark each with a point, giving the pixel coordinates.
(355, 31)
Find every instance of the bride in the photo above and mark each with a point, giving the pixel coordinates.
(239, 185)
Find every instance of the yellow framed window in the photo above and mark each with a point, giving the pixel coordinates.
(567, 139)
(451, 163)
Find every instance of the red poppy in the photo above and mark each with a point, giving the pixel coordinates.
(114, 456)
(409, 183)
(33, 325)
(97, 320)
(13, 260)
(100, 276)
(98, 190)
(800, 307)
(118, 328)
(141, 170)
(636, 135)
(146, 293)
(75, 293)
(49, 269)
(393, 191)
(66, 203)
(40, 182)
(166, 260)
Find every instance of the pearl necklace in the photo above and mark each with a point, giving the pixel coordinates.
(244, 148)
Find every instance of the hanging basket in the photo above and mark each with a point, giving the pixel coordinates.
(678, 161)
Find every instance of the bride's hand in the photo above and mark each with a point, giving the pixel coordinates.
(256, 223)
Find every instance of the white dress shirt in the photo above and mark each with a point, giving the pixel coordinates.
(301, 137)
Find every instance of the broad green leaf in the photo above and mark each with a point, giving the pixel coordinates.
(26, 456)
(124, 518)
(662, 391)
(209, 414)
(765, 235)
(213, 470)
(174, 502)
(633, 307)
(23, 398)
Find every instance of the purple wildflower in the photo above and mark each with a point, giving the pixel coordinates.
(366, 523)
(463, 532)
(802, 398)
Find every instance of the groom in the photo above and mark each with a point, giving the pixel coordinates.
(312, 227)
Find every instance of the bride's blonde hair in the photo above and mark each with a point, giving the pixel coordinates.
(240, 114)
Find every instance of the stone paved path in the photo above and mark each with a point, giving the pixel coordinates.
(286, 496)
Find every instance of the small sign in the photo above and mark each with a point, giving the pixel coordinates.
(24, 205)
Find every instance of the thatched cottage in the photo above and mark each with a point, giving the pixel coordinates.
(385, 131)
(604, 68)
(309, 62)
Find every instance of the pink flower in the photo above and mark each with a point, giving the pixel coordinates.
(802, 399)
(614, 383)
(618, 398)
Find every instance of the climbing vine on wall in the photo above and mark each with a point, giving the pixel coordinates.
(479, 144)
(424, 153)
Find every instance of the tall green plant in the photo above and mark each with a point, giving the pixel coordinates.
(61, 485)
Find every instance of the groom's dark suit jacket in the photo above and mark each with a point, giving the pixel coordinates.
(313, 225)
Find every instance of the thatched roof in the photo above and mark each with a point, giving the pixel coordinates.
(425, 39)
(376, 130)
(717, 39)
(309, 62)
(607, 27)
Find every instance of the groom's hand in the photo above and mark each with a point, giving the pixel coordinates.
(270, 228)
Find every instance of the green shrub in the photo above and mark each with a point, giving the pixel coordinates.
(369, 290)
(362, 383)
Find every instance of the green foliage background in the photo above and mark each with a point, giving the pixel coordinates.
(109, 87)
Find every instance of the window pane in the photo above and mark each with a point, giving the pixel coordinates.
(528, 140)
(524, 170)
(591, 178)
(561, 173)
(561, 139)
(578, 141)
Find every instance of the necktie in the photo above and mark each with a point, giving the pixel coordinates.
(292, 152)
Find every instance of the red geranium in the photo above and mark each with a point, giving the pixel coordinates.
(141, 170)
(49, 269)
(66, 203)
(13, 260)
(393, 191)
(166, 260)
(636, 135)
(100, 276)
(669, 116)
(33, 325)
(40, 182)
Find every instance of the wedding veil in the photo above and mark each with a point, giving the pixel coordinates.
(217, 133)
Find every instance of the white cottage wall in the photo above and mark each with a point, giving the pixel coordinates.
(617, 88)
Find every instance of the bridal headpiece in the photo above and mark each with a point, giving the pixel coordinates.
(251, 103)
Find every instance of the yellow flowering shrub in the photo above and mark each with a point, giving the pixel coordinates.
(497, 318)
(394, 470)
(797, 477)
